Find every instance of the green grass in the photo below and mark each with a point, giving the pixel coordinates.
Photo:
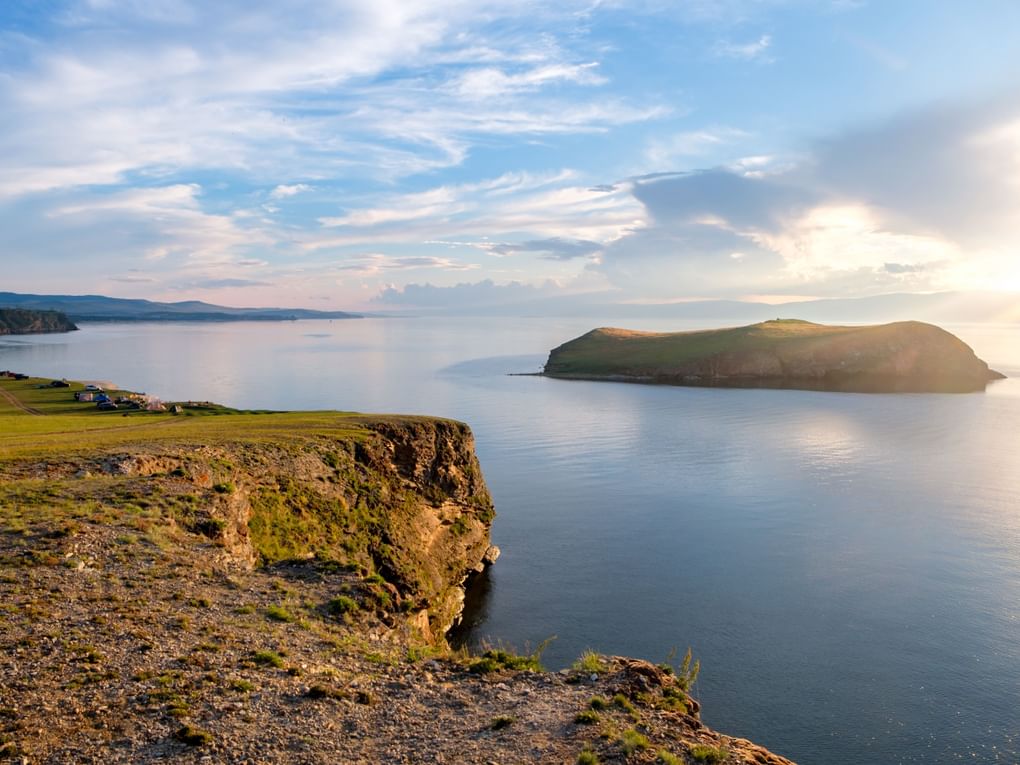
(67, 424)
(590, 662)
(587, 717)
(587, 757)
(279, 614)
(631, 741)
(709, 754)
(193, 736)
(666, 758)
(268, 659)
(498, 659)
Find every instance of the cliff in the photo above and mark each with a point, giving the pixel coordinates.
(19, 321)
(275, 587)
(900, 357)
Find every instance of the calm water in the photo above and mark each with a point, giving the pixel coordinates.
(847, 567)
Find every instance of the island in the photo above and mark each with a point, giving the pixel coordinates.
(20, 321)
(902, 357)
(198, 583)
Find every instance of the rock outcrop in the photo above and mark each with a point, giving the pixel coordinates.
(905, 356)
(20, 321)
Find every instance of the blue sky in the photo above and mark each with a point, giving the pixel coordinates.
(345, 154)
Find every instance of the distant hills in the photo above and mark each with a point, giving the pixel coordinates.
(99, 308)
(939, 307)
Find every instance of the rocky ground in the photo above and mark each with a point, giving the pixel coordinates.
(114, 648)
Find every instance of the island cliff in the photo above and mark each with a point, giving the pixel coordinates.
(227, 586)
(20, 321)
(905, 356)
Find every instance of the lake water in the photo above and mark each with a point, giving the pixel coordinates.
(846, 566)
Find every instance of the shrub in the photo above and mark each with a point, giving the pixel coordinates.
(341, 605)
(665, 758)
(587, 757)
(587, 717)
(224, 488)
(598, 703)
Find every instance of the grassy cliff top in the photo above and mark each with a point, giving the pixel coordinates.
(41, 421)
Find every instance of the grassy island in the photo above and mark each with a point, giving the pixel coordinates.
(900, 357)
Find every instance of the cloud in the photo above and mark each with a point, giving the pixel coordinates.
(555, 248)
(214, 284)
(377, 263)
(270, 91)
(665, 151)
(465, 294)
(747, 51)
(284, 190)
(930, 200)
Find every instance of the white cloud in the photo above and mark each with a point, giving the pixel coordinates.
(747, 51)
(381, 89)
(284, 190)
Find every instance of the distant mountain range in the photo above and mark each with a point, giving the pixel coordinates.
(940, 307)
(99, 308)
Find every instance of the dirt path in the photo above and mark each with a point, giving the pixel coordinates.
(16, 403)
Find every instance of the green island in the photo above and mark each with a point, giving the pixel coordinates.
(193, 582)
(22, 321)
(902, 357)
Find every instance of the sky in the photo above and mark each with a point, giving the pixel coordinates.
(379, 154)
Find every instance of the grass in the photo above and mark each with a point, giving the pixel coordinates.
(632, 741)
(587, 757)
(709, 754)
(341, 605)
(666, 758)
(497, 659)
(279, 614)
(193, 736)
(587, 717)
(268, 658)
(590, 662)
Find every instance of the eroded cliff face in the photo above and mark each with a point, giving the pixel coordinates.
(400, 500)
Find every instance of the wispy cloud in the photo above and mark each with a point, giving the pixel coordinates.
(747, 51)
(288, 190)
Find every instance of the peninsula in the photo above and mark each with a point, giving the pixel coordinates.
(20, 321)
(902, 357)
(102, 308)
(202, 584)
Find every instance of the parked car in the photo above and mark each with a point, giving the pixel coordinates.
(106, 405)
